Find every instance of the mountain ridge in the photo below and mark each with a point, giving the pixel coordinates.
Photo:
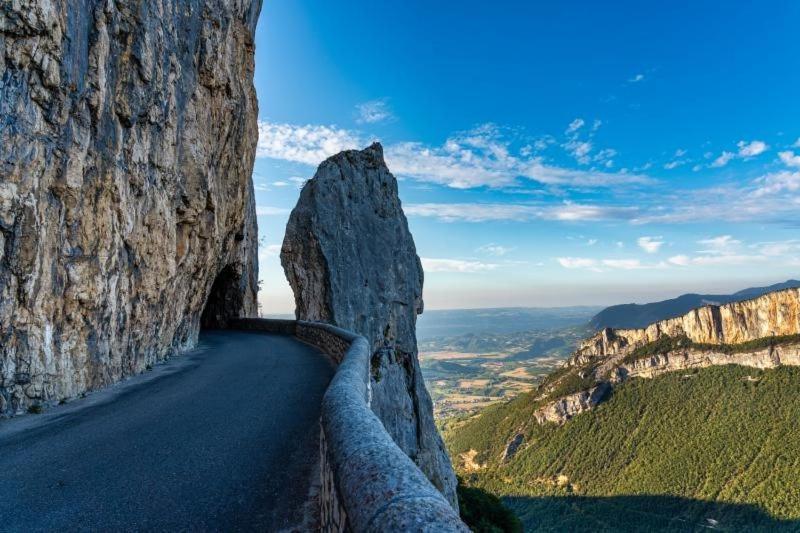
(640, 315)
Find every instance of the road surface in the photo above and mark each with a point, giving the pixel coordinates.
(225, 437)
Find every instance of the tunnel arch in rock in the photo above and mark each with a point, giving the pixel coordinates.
(225, 299)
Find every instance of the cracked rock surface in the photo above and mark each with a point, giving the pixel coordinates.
(351, 261)
(127, 138)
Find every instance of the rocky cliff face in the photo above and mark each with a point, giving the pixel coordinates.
(351, 262)
(127, 137)
(567, 407)
(609, 358)
(650, 367)
(775, 313)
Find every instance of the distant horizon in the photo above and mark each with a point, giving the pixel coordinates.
(560, 168)
(576, 306)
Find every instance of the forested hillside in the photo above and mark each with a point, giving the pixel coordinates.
(717, 447)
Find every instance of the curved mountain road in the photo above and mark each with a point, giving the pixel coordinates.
(224, 437)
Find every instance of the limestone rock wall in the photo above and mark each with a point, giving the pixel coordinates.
(127, 138)
(775, 313)
(650, 367)
(351, 262)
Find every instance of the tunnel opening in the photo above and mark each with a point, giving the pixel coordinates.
(225, 300)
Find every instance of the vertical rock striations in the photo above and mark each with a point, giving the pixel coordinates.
(127, 137)
(351, 261)
(774, 313)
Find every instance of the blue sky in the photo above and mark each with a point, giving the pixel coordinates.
(549, 153)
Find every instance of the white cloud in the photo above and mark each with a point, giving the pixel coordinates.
(579, 150)
(455, 265)
(680, 260)
(789, 158)
(475, 212)
(481, 157)
(309, 144)
(597, 265)
(777, 183)
(266, 210)
(719, 245)
(778, 248)
(575, 125)
(723, 159)
(374, 111)
(624, 264)
(650, 245)
(680, 152)
(557, 176)
(636, 79)
(280, 183)
(591, 242)
(752, 148)
(746, 150)
(494, 249)
(578, 262)
(727, 260)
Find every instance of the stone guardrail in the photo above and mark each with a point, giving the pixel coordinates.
(368, 483)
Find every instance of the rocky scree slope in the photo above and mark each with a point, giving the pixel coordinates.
(763, 332)
(351, 261)
(127, 138)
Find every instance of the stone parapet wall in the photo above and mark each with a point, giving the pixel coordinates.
(368, 483)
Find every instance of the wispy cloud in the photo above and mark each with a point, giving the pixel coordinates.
(636, 78)
(751, 148)
(723, 244)
(723, 159)
(650, 245)
(481, 157)
(494, 249)
(579, 262)
(455, 265)
(789, 158)
(309, 144)
(374, 111)
(600, 265)
(477, 212)
(745, 150)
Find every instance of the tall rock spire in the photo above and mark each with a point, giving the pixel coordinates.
(351, 261)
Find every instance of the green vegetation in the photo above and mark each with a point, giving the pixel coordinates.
(484, 512)
(35, 409)
(662, 345)
(718, 447)
(666, 343)
(576, 380)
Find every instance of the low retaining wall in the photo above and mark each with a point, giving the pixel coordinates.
(368, 483)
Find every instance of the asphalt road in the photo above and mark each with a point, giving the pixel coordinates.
(222, 438)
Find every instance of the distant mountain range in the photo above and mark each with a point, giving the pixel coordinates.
(640, 315)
